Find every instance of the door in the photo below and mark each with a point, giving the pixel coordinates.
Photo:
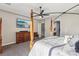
(0, 35)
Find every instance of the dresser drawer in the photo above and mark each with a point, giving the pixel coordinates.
(20, 38)
(1, 49)
(0, 42)
(20, 41)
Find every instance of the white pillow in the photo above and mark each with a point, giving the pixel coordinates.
(67, 38)
(74, 40)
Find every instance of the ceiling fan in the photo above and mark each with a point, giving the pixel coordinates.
(42, 14)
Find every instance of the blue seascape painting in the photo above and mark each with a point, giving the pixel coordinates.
(22, 23)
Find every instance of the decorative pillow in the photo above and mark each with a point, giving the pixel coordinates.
(77, 46)
(67, 38)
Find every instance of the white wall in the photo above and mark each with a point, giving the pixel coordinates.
(8, 28)
(35, 26)
(69, 24)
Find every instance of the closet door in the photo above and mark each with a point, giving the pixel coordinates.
(0, 36)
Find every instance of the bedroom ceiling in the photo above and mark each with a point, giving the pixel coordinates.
(24, 8)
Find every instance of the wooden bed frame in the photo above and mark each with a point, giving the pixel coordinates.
(31, 29)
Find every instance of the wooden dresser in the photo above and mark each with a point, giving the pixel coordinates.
(23, 36)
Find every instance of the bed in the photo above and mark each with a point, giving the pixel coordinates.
(53, 46)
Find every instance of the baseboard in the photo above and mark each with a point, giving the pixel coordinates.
(8, 43)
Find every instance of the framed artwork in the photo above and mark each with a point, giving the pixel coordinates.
(22, 23)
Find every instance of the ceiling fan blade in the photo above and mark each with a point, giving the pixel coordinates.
(42, 12)
(45, 14)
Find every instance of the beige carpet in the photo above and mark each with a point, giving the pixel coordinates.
(21, 49)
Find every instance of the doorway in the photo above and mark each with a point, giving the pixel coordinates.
(43, 30)
(57, 28)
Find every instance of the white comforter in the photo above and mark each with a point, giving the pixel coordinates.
(42, 47)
